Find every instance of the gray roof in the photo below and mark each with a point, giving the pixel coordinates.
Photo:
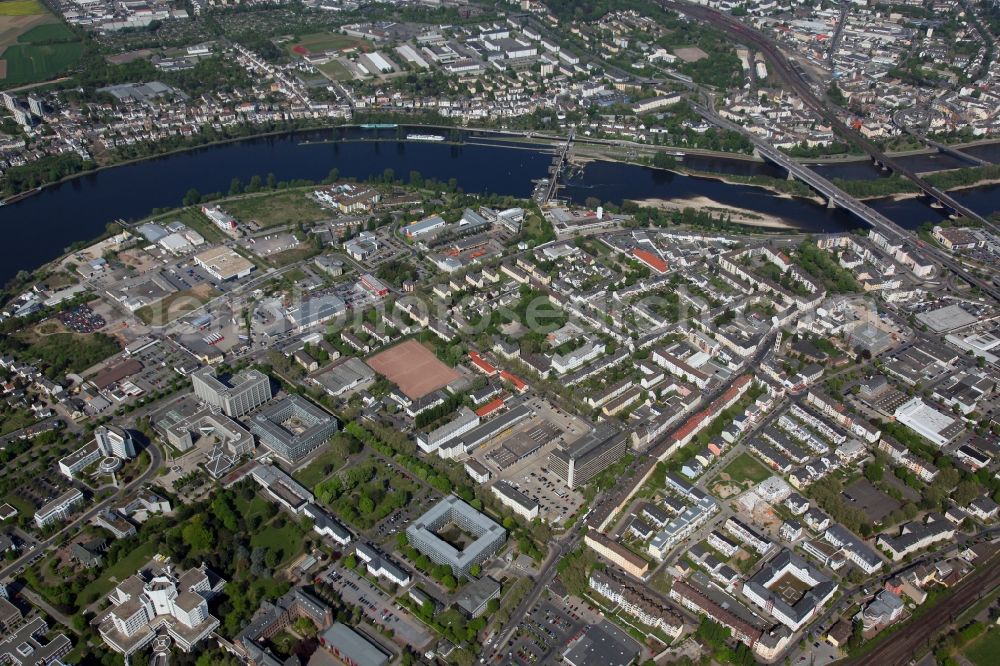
(354, 646)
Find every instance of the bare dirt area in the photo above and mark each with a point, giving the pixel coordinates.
(414, 368)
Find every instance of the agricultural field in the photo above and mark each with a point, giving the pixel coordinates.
(35, 46)
(321, 42)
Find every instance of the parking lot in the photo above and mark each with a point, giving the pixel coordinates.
(82, 319)
(527, 471)
(542, 635)
(380, 608)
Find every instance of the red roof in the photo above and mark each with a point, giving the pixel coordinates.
(518, 383)
(490, 407)
(650, 259)
(482, 364)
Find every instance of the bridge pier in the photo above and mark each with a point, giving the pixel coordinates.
(830, 203)
(789, 176)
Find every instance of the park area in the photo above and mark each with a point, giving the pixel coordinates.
(324, 42)
(744, 468)
(413, 368)
(34, 46)
(983, 651)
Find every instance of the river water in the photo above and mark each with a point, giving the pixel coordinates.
(39, 227)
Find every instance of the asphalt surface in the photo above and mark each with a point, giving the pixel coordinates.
(156, 460)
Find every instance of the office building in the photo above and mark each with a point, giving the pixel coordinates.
(235, 396)
(157, 600)
(483, 538)
(515, 500)
(108, 441)
(27, 645)
(59, 509)
(581, 461)
(293, 427)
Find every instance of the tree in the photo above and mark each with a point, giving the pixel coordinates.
(235, 187)
(874, 472)
(192, 198)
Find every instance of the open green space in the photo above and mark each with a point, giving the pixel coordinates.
(274, 208)
(116, 573)
(21, 8)
(284, 541)
(60, 353)
(42, 53)
(984, 650)
(744, 468)
(253, 510)
(320, 468)
(176, 305)
(335, 70)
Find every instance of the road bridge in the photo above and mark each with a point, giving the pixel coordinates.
(791, 73)
(556, 169)
(836, 197)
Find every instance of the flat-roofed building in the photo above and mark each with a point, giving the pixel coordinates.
(293, 427)
(59, 509)
(487, 536)
(224, 263)
(515, 500)
(235, 396)
(588, 456)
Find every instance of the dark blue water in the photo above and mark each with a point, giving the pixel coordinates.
(614, 182)
(39, 227)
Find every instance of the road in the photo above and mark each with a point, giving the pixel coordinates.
(791, 74)
(156, 460)
(542, 581)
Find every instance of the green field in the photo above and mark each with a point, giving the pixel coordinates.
(274, 208)
(21, 8)
(47, 34)
(258, 507)
(42, 53)
(177, 304)
(319, 42)
(116, 573)
(744, 468)
(984, 650)
(316, 471)
(335, 71)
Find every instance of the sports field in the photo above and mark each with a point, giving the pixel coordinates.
(321, 42)
(413, 368)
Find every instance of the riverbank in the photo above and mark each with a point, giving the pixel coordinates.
(741, 216)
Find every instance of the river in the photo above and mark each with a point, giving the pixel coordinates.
(41, 226)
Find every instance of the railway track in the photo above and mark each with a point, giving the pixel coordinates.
(901, 648)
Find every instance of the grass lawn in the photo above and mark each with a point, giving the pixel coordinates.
(984, 650)
(286, 540)
(22, 8)
(119, 571)
(176, 304)
(335, 70)
(193, 218)
(257, 507)
(292, 256)
(315, 471)
(274, 208)
(744, 468)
